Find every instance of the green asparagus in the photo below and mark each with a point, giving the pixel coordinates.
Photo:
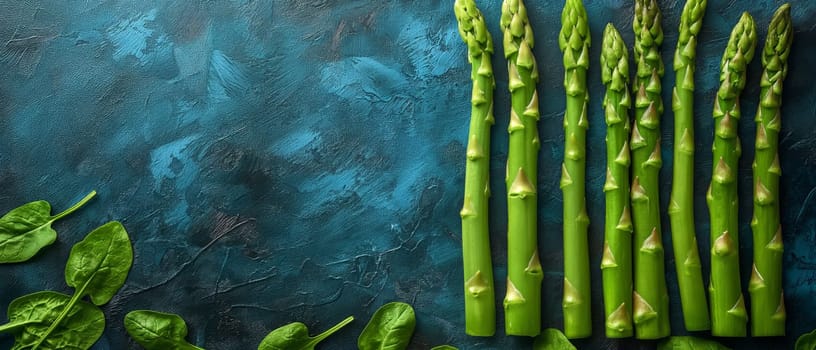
(522, 303)
(574, 43)
(650, 299)
(681, 208)
(767, 301)
(480, 312)
(616, 264)
(728, 315)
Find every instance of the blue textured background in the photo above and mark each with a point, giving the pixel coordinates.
(303, 160)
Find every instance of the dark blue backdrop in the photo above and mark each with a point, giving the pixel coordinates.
(303, 160)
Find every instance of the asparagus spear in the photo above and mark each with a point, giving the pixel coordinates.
(480, 312)
(767, 302)
(728, 315)
(650, 299)
(522, 303)
(574, 43)
(616, 264)
(681, 209)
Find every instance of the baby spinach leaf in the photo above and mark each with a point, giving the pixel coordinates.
(444, 347)
(31, 316)
(99, 264)
(295, 336)
(25, 230)
(690, 343)
(390, 328)
(552, 339)
(806, 341)
(157, 330)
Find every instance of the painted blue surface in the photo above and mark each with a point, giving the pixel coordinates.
(277, 161)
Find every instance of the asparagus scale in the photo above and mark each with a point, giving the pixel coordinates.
(681, 207)
(728, 315)
(616, 264)
(574, 42)
(650, 297)
(522, 302)
(480, 311)
(765, 286)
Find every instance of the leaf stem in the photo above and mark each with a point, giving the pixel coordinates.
(74, 207)
(74, 299)
(9, 326)
(320, 337)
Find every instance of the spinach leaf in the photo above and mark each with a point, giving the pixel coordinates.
(295, 336)
(25, 230)
(552, 339)
(157, 330)
(806, 341)
(97, 266)
(689, 343)
(390, 328)
(444, 347)
(31, 315)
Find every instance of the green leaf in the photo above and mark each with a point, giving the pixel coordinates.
(157, 330)
(25, 230)
(552, 339)
(806, 341)
(444, 347)
(390, 328)
(690, 343)
(99, 264)
(295, 336)
(31, 316)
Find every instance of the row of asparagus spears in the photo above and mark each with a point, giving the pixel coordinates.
(633, 269)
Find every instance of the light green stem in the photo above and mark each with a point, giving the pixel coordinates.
(522, 302)
(767, 300)
(650, 299)
(728, 315)
(616, 264)
(480, 310)
(322, 336)
(681, 207)
(74, 207)
(78, 294)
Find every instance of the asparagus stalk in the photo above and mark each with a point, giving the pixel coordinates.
(728, 315)
(616, 264)
(574, 43)
(767, 302)
(522, 303)
(650, 299)
(480, 312)
(681, 209)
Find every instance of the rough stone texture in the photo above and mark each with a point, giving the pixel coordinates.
(277, 161)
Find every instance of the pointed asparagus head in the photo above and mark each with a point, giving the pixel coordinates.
(647, 28)
(778, 42)
(614, 60)
(574, 36)
(472, 27)
(738, 53)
